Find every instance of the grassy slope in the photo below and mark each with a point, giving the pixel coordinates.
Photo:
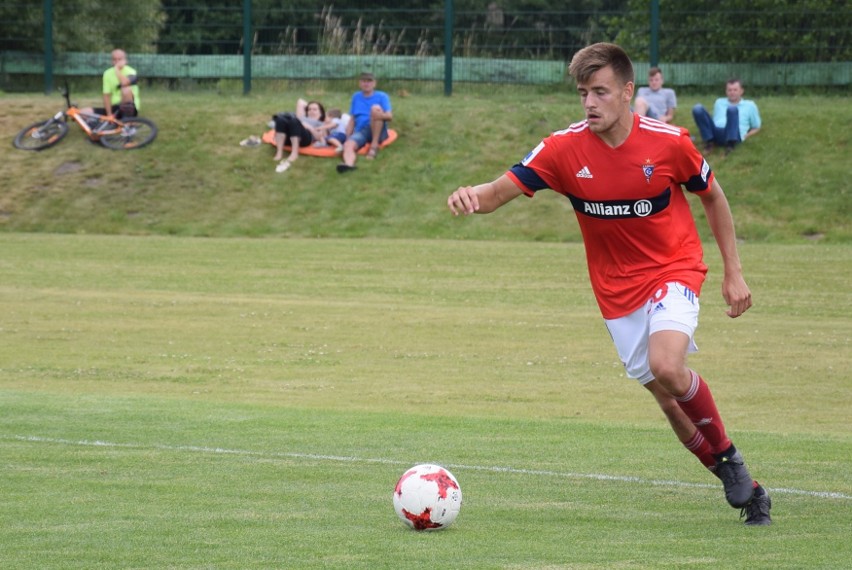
(787, 185)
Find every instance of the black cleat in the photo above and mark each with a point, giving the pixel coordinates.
(756, 513)
(731, 469)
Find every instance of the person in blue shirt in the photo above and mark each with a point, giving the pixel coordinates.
(371, 111)
(734, 119)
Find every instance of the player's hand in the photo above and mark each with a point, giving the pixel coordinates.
(737, 295)
(463, 201)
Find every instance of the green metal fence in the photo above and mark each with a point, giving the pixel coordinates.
(475, 70)
(475, 42)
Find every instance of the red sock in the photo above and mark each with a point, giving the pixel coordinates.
(699, 407)
(699, 447)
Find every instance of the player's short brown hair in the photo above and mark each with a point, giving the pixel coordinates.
(595, 57)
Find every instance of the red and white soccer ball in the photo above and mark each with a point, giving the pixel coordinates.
(427, 497)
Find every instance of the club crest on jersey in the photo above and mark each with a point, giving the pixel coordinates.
(648, 170)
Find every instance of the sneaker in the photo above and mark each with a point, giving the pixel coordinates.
(756, 513)
(344, 168)
(729, 148)
(731, 469)
(708, 147)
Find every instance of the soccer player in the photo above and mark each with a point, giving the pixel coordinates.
(624, 175)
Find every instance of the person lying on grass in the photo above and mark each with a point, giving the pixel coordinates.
(298, 130)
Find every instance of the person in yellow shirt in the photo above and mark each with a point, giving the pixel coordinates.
(120, 89)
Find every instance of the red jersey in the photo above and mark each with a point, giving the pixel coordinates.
(636, 223)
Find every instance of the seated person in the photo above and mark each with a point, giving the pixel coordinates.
(734, 119)
(371, 111)
(655, 101)
(120, 90)
(336, 127)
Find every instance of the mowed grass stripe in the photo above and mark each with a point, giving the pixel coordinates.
(386, 461)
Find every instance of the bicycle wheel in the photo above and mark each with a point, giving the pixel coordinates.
(40, 136)
(135, 132)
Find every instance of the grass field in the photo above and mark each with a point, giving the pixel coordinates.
(175, 402)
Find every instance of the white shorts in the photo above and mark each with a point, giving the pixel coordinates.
(674, 307)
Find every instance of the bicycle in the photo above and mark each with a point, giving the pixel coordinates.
(116, 134)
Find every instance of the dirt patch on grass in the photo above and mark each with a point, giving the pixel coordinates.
(67, 168)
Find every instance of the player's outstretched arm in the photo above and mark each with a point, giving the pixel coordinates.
(483, 198)
(735, 291)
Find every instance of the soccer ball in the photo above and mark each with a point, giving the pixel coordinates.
(427, 497)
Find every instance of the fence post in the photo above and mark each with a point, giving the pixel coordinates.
(48, 46)
(247, 47)
(448, 47)
(655, 33)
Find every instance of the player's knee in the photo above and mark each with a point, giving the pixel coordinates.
(671, 373)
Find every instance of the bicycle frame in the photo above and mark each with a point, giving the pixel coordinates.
(115, 134)
(83, 119)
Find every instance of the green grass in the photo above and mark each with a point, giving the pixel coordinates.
(787, 185)
(168, 401)
(250, 403)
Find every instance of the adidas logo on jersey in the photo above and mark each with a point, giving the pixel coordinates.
(585, 173)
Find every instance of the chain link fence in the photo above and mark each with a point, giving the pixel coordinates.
(697, 43)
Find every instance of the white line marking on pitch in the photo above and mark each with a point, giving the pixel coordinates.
(352, 459)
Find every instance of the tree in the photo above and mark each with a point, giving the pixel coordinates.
(84, 25)
(741, 31)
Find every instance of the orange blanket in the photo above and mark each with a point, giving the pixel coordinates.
(326, 151)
